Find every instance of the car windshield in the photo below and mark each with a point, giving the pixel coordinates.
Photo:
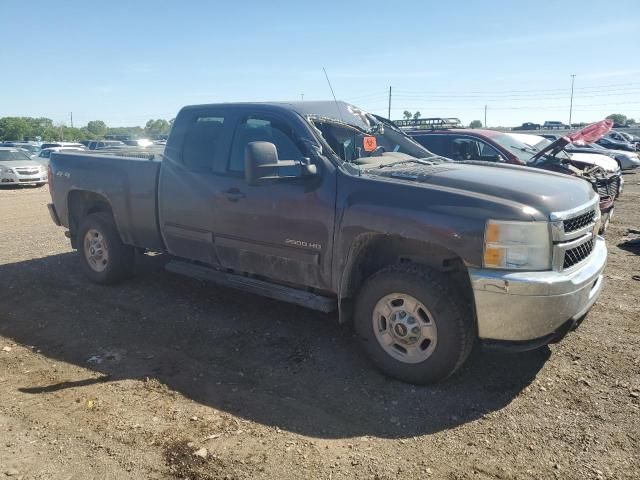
(589, 146)
(29, 148)
(525, 151)
(13, 155)
(521, 150)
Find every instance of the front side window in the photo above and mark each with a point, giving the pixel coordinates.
(202, 143)
(488, 153)
(434, 143)
(256, 129)
(465, 149)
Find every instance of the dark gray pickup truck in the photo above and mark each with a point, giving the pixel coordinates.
(327, 206)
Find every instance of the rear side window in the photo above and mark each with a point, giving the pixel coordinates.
(201, 143)
(434, 143)
(255, 129)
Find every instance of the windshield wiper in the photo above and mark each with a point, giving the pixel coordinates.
(421, 161)
(525, 148)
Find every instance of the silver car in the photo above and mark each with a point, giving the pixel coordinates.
(17, 168)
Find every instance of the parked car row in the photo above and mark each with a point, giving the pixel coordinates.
(548, 125)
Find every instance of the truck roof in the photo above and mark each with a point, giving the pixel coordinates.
(339, 110)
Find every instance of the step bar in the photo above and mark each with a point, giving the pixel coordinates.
(253, 285)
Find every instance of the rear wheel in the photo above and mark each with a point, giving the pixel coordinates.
(104, 258)
(413, 325)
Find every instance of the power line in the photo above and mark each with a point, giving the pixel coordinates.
(529, 90)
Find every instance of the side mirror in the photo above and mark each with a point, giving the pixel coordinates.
(261, 163)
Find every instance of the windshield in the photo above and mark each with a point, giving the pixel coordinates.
(588, 146)
(380, 144)
(525, 151)
(13, 155)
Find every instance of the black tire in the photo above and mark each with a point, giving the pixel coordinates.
(450, 311)
(121, 257)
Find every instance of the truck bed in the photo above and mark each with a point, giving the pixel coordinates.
(128, 184)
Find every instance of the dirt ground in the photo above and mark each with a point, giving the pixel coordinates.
(167, 377)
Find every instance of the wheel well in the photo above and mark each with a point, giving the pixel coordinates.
(82, 203)
(371, 253)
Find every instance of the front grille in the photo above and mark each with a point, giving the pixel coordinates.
(26, 171)
(27, 180)
(607, 187)
(577, 254)
(581, 221)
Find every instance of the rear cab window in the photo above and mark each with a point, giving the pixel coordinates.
(203, 144)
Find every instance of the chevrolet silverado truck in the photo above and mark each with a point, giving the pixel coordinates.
(327, 206)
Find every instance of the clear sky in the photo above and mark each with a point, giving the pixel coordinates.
(127, 61)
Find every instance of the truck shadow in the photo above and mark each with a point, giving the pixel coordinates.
(263, 360)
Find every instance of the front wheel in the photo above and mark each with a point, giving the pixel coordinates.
(413, 325)
(103, 256)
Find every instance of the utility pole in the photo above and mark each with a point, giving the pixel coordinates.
(485, 115)
(389, 111)
(71, 115)
(573, 78)
(302, 97)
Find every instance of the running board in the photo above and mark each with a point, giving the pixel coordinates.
(253, 285)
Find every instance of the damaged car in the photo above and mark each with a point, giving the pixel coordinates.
(490, 146)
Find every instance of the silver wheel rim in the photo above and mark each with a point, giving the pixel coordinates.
(405, 328)
(95, 250)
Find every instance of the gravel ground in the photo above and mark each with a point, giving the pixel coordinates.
(168, 377)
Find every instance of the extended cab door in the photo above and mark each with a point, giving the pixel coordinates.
(187, 189)
(281, 229)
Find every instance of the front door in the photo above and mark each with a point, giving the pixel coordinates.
(281, 229)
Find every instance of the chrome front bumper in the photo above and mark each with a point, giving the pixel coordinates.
(525, 306)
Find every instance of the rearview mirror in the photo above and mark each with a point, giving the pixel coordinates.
(261, 163)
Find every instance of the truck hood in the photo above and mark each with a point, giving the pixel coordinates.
(595, 159)
(543, 191)
(19, 164)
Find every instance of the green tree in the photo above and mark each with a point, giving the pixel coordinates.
(97, 127)
(407, 115)
(617, 118)
(475, 124)
(14, 128)
(133, 132)
(416, 115)
(157, 127)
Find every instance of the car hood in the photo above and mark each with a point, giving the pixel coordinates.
(19, 164)
(543, 191)
(595, 159)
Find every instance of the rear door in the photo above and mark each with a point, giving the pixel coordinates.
(188, 189)
(283, 229)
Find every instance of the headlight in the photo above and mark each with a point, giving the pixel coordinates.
(5, 170)
(517, 245)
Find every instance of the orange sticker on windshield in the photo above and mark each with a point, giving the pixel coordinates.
(369, 143)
